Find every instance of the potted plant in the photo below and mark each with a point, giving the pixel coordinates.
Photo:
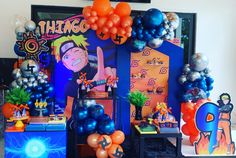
(137, 99)
(16, 100)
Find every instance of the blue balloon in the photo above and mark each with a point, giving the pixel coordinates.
(38, 96)
(152, 31)
(160, 31)
(39, 88)
(106, 127)
(188, 86)
(50, 89)
(148, 37)
(133, 34)
(137, 21)
(136, 45)
(96, 111)
(80, 128)
(152, 18)
(209, 80)
(18, 52)
(90, 125)
(32, 96)
(46, 85)
(82, 113)
(104, 117)
(140, 36)
(210, 87)
(28, 90)
(30, 104)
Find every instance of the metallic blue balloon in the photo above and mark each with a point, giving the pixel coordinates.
(133, 34)
(209, 80)
(96, 111)
(50, 89)
(32, 96)
(80, 128)
(39, 88)
(106, 127)
(152, 18)
(46, 85)
(90, 125)
(18, 52)
(137, 21)
(140, 36)
(104, 118)
(82, 113)
(38, 96)
(30, 104)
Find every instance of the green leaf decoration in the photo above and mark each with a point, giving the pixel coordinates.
(137, 98)
(17, 96)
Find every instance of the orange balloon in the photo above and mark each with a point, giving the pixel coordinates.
(115, 19)
(103, 36)
(92, 140)
(93, 13)
(105, 29)
(100, 153)
(121, 31)
(94, 26)
(101, 21)
(7, 110)
(123, 9)
(102, 7)
(113, 30)
(114, 150)
(118, 38)
(109, 24)
(111, 11)
(91, 20)
(128, 29)
(126, 21)
(118, 137)
(128, 34)
(87, 11)
(104, 142)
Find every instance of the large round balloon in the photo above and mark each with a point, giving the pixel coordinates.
(30, 25)
(199, 62)
(92, 140)
(96, 111)
(152, 18)
(104, 142)
(90, 125)
(123, 9)
(100, 153)
(106, 127)
(82, 113)
(115, 151)
(102, 7)
(118, 137)
(29, 68)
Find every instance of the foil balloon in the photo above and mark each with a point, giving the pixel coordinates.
(106, 127)
(90, 125)
(29, 68)
(182, 79)
(193, 76)
(173, 19)
(155, 43)
(199, 62)
(96, 111)
(82, 113)
(30, 25)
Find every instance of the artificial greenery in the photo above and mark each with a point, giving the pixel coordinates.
(137, 98)
(17, 96)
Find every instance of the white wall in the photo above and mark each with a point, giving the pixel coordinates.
(216, 23)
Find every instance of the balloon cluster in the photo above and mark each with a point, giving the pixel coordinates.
(33, 81)
(152, 28)
(106, 145)
(93, 119)
(109, 22)
(29, 43)
(195, 79)
(188, 110)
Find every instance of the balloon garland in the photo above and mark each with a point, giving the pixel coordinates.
(197, 84)
(152, 28)
(109, 22)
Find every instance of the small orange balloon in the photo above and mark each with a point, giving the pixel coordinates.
(118, 137)
(102, 7)
(91, 20)
(123, 9)
(115, 151)
(103, 36)
(94, 26)
(87, 11)
(104, 142)
(100, 153)
(121, 31)
(105, 29)
(111, 11)
(101, 21)
(109, 24)
(128, 29)
(93, 13)
(115, 19)
(7, 110)
(92, 140)
(113, 30)
(118, 38)
(128, 34)
(126, 21)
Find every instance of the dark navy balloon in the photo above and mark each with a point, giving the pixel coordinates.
(80, 128)
(96, 111)
(104, 118)
(152, 18)
(82, 113)
(90, 125)
(106, 127)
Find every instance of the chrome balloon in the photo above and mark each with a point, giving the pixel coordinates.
(16, 73)
(45, 77)
(35, 83)
(193, 76)
(29, 68)
(182, 79)
(20, 30)
(186, 70)
(25, 80)
(41, 81)
(30, 84)
(32, 79)
(173, 19)
(14, 84)
(30, 25)
(199, 62)
(19, 81)
(155, 43)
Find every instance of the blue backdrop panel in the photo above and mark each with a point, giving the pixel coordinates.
(35, 144)
(176, 57)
